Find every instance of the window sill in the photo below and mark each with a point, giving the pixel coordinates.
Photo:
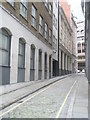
(33, 27)
(41, 34)
(21, 68)
(24, 18)
(50, 44)
(12, 5)
(46, 39)
(5, 66)
(50, 15)
(46, 8)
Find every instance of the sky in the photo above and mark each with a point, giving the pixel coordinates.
(76, 9)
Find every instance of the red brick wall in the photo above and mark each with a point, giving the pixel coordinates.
(66, 8)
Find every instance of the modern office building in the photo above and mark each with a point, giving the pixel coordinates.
(26, 45)
(80, 46)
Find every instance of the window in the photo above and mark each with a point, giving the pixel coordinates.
(45, 66)
(46, 4)
(50, 8)
(81, 57)
(32, 63)
(83, 50)
(50, 36)
(40, 65)
(33, 20)
(79, 44)
(23, 8)
(21, 54)
(46, 31)
(11, 2)
(79, 51)
(32, 57)
(40, 25)
(53, 42)
(83, 44)
(4, 48)
(53, 18)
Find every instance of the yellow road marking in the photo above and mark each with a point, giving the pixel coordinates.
(61, 108)
(29, 98)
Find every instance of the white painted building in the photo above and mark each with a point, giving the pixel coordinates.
(21, 43)
(80, 46)
(55, 37)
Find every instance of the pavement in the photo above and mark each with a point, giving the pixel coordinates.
(10, 94)
(66, 98)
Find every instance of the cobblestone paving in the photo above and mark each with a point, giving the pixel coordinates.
(47, 103)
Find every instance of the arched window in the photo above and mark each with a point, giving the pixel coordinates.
(5, 44)
(50, 62)
(21, 60)
(21, 54)
(32, 66)
(40, 65)
(45, 66)
(5, 40)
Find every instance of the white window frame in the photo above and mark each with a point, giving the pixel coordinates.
(23, 6)
(33, 19)
(40, 25)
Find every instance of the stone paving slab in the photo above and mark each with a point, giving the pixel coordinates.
(80, 107)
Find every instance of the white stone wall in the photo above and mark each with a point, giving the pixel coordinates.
(55, 28)
(18, 30)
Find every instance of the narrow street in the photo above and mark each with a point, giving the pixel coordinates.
(67, 98)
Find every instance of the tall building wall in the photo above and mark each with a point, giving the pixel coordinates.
(66, 8)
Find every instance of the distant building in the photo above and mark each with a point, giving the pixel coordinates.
(65, 44)
(86, 10)
(74, 40)
(80, 46)
(67, 9)
(55, 38)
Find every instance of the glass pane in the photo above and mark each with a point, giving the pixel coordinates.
(0, 40)
(5, 58)
(21, 49)
(33, 22)
(21, 55)
(4, 42)
(11, 2)
(32, 58)
(33, 11)
(40, 20)
(0, 57)
(20, 62)
(23, 11)
(25, 3)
